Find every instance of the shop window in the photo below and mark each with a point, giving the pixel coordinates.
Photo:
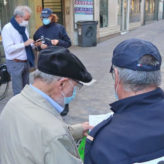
(135, 12)
(56, 6)
(103, 13)
(150, 9)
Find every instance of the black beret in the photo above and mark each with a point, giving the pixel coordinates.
(60, 61)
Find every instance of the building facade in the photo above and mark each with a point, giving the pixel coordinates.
(113, 16)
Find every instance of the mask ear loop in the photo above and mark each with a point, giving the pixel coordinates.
(72, 87)
(117, 88)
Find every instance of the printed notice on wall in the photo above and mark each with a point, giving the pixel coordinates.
(83, 10)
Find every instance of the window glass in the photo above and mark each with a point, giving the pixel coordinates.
(135, 11)
(103, 13)
(56, 6)
(150, 9)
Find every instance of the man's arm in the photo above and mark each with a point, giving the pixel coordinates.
(79, 130)
(9, 44)
(65, 40)
(61, 151)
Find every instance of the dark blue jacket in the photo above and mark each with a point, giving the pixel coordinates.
(134, 134)
(53, 31)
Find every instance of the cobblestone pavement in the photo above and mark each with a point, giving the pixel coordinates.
(95, 99)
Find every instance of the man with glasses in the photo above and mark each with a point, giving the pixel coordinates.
(135, 133)
(17, 47)
(31, 128)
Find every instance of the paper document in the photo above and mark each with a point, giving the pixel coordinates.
(96, 119)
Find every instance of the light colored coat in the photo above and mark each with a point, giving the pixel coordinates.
(33, 132)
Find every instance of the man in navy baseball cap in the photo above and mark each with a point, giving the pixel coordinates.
(129, 52)
(135, 132)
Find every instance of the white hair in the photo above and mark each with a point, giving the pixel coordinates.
(44, 76)
(21, 10)
(138, 80)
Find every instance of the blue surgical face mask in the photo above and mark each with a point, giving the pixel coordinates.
(116, 95)
(67, 100)
(46, 21)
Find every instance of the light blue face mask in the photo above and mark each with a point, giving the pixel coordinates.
(46, 21)
(67, 100)
(116, 96)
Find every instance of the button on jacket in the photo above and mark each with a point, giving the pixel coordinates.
(134, 134)
(32, 131)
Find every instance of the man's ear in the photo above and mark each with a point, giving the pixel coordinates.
(116, 75)
(62, 82)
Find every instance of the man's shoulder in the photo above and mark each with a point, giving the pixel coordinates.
(7, 26)
(59, 26)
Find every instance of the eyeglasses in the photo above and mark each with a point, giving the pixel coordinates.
(112, 72)
(79, 85)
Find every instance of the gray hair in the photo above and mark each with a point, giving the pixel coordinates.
(44, 76)
(20, 10)
(138, 80)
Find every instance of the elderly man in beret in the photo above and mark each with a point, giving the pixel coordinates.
(135, 133)
(31, 127)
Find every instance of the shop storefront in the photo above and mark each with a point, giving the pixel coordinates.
(57, 7)
(113, 16)
(150, 10)
(135, 11)
(161, 9)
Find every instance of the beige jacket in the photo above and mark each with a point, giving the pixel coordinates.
(32, 132)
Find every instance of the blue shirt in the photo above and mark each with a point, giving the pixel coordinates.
(49, 99)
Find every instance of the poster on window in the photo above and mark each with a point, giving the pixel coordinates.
(83, 10)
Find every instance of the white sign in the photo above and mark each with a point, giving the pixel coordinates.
(83, 10)
(154, 161)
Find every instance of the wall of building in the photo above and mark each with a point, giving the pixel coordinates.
(113, 26)
(114, 21)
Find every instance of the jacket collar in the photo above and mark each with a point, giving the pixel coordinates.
(36, 98)
(145, 98)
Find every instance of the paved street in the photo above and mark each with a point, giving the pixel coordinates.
(95, 99)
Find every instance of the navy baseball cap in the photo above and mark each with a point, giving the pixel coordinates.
(129, 52)
(46, 13)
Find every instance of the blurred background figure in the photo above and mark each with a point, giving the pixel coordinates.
(17, 47)
(51, 33)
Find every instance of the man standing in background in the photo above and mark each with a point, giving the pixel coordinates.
(17, 47)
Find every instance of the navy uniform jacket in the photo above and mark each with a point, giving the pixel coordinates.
(53, 31)
(134, 134)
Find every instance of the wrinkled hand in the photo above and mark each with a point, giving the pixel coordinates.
(28, 42)
(54, 42)
(43, 46)
(86, 127)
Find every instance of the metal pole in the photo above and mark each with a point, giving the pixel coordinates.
(163, 11)
(128, 15)
(144, 18)
(156, 9)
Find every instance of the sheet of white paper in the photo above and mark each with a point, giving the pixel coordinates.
(96, 119)
(155, 161)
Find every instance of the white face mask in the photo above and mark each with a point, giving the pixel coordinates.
(24, 23)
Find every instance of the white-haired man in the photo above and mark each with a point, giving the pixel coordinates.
(17, 47)
(135, 132)
(31, 128)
